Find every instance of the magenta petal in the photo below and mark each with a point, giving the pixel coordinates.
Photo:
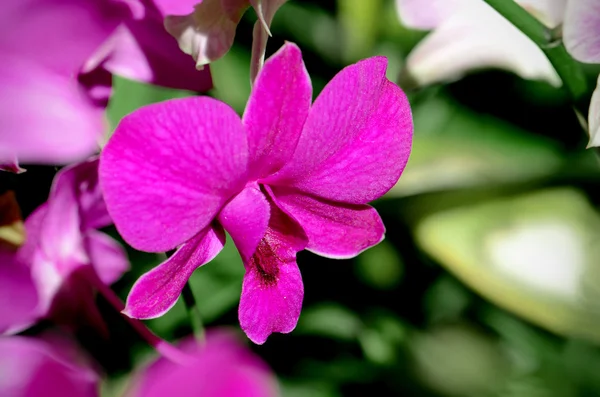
(45, 116)
(107, 256)
(34, 367)
(277, 110)
(143, 50)
(220, 367)
(246, 218)
(157, 291)
(581, 30)
(356, 140)
(334, 230)
(169, 168)
(18, 295)
(272, 290)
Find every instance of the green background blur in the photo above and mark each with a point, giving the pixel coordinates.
(488, 281)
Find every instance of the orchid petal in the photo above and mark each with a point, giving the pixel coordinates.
(276, 111)
(18, 295)
(76, 188)
(272, 290)
(45, 116)
(142, 50)
(423, 14)
(265, 10)
(594, 117)
(368, 137)
(34, 367)
(246, 218)
(175, 7)
(12, 167)
(157, 291)
(219, 367)
(207, 33)
(581, 30)
(25, 24)
(334, 230)
(169, 168)
(550, 12)
(107, 256)
(473, 37)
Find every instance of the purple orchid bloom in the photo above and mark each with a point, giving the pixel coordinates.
(219, 367)
(32, 367)
(288, 176)
(53, 95)
(64, 257)
(582, 39)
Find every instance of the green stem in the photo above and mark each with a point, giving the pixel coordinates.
(568, 70)
(193, 312)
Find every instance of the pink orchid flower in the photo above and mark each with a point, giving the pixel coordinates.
(581, 32)
(219, 367)
(58, 56)
(33, 367)
(288, 176)
(64, 258)
(469, 35)
(208, 32)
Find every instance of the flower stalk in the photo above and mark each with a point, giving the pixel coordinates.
(550, 43)
(193, 312)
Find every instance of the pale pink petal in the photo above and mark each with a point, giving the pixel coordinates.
(169, 168)
(265, 9)
(207, 33)
(272, 290)
(33, 367)
(476, 37)
(550, 12)
(18, 295)
(276, 111)
(427, 14)
(246, 218)
(594, 117)
(581, 30)
(220, 367)
(334, 230)
(356, 140)
(157, 291)
(107, 256)
(46, 118)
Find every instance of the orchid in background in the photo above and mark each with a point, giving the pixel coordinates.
(581, 32)
(288, 176)
(469, 34)
(51, 366)
(219, 367)
(207, 33)
(64, 258)
(54, 94)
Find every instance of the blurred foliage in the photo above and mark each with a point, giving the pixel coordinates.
(488, 282)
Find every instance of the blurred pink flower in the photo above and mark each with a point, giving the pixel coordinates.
(469, 35)
(219, 367)
(288, 176)
(33, 367)
(581, 32)
(208, 32)
(58, 56)
(64, 257)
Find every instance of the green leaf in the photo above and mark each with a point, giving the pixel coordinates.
(535, 255)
